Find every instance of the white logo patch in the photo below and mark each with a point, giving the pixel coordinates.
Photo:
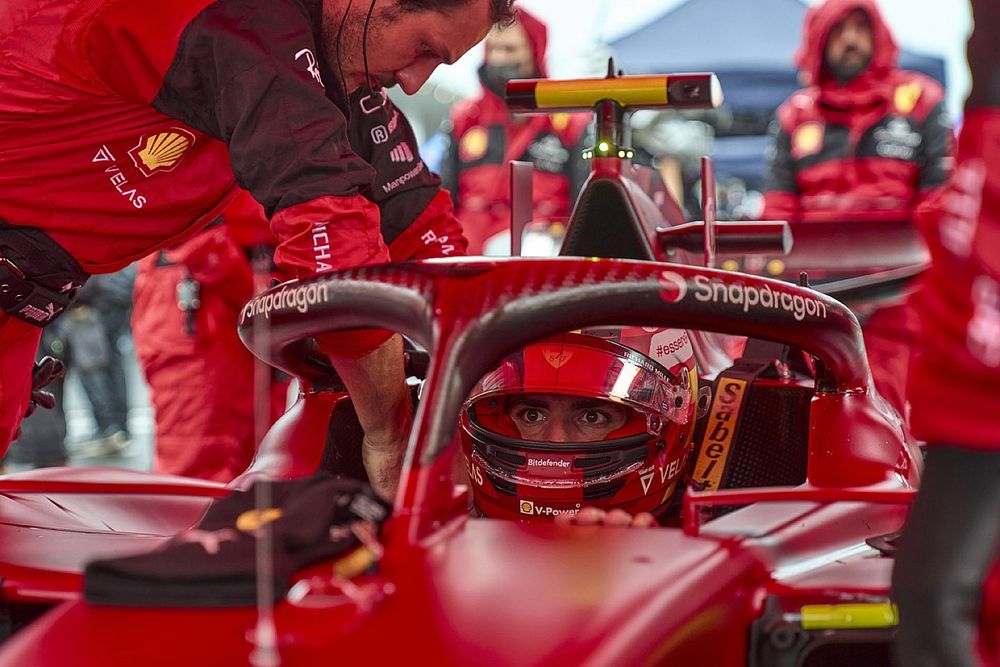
(311, 65)
(401, 153)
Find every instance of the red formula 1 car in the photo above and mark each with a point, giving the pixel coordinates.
(788, 575)
(783, 560)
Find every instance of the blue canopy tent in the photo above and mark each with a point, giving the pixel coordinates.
(749, 44)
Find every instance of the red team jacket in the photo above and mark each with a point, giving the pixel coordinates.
(485, 136)
(872, 149)
(955, 384)
(125, 126)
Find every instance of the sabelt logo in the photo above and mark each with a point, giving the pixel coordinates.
(753, 297)
(548, 463)
(719, 432)
(299, 298)
(529, 507)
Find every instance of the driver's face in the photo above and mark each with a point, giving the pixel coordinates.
(556, 418)
(404, 47)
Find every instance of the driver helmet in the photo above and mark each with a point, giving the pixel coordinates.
(603, 418)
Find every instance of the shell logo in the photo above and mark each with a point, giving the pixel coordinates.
(905, 97)
(474, 144)
(808, 139)
(251, 520)
(161, 151)
(527, 507)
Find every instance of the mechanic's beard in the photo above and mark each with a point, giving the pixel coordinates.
(351, 48)
(843, 70)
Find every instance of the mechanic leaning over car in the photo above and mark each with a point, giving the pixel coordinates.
(952, 537)
(127, 126)
(864, 142)
(485, 136)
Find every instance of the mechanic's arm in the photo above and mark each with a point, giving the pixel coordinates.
(781, 193)
(247, 74)
(418, 216)
(381, 399)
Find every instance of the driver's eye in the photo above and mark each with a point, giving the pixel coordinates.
(530, 415)
(594, 418)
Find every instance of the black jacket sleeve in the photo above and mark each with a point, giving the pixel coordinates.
(246, 73)
(403, 185)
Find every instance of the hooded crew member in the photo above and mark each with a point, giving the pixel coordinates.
(485, 137)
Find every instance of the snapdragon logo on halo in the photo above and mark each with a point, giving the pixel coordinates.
(751, 296)
(300, 298)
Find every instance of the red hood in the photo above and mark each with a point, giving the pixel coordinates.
(819, 21)
(538, 37)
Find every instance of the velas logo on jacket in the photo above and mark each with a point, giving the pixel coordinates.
(161, 151)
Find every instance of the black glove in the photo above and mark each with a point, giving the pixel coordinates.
(215, 565)
(44, 372)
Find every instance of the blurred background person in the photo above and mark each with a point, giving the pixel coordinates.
(673, 144)
(951, 542)
(864, 142)
(485, 136)
(201, 377)
(92, 329)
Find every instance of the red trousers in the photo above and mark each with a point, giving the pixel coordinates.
(201, 380)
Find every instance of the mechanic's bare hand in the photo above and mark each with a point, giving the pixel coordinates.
(595, 516)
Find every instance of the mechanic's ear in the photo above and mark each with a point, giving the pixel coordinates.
(704, 401)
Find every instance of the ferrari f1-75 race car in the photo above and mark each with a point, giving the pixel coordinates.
(780, 554)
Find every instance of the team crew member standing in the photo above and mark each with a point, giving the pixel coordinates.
(126, 126)
(952, 537)
(866, 141)
(188, 299)
(485, 137)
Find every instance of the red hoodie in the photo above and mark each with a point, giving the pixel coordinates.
(871, 149)
(485, 137)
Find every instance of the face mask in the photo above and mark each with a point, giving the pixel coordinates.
(495, 77)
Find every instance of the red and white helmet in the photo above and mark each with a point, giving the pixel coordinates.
(583, 419)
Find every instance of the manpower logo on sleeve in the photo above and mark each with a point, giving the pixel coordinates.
(300, 298)
(712, 290)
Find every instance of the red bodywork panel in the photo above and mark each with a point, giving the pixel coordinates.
(54, 521)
